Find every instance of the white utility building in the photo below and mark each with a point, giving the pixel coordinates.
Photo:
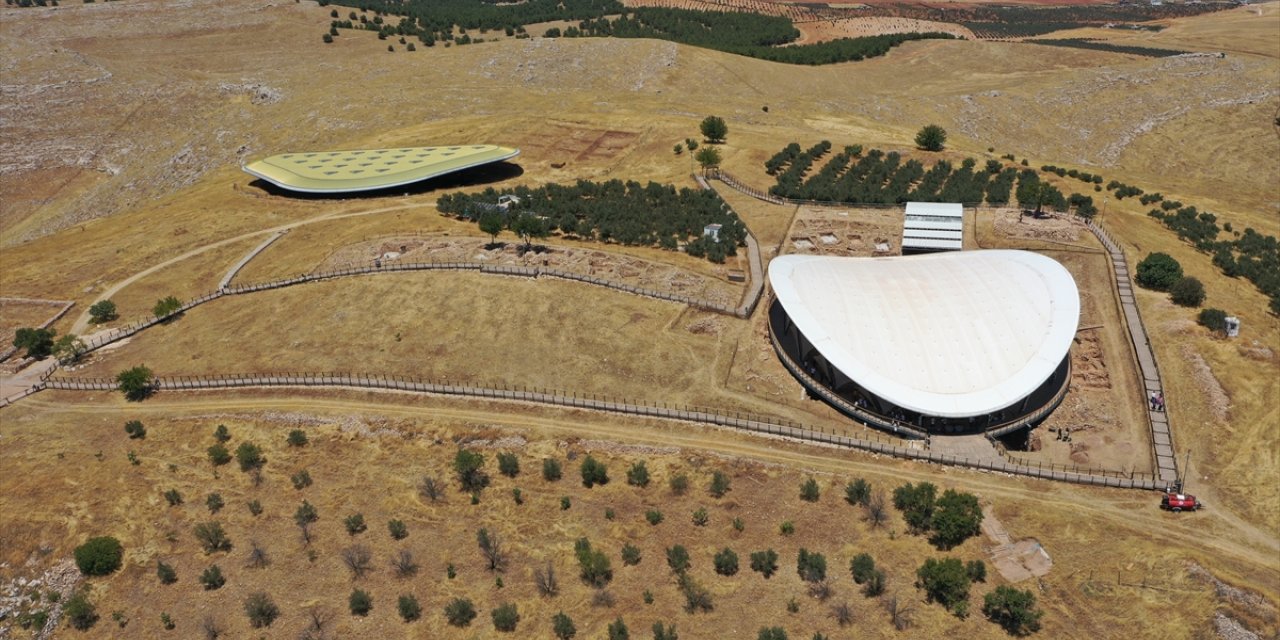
(933, 226)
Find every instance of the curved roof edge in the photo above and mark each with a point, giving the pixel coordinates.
(281, 176)
(1063, 325)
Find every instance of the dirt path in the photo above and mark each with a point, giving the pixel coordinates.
(1244, 542)
(83, 321)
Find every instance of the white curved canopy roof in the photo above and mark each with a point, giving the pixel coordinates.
(950, 335)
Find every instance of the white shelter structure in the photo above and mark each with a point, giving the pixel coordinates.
(944, 342)
(933, 226)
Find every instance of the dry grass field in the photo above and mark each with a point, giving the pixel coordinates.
(129, 183)
(358, 442)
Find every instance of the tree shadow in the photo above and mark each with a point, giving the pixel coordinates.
(484, 174)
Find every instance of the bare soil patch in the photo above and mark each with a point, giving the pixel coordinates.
(1218, 400)
(1010, 223)
(601, 264)
(846, 231)
(822, 30)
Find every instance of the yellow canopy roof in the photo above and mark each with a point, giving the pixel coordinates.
(369, 169)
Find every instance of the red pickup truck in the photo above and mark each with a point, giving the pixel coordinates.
(1176, 502)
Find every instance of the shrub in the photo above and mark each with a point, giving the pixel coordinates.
(562, 626)
(409, 608)
(135, 430)
(166, 573)
(593, 472)
(630, 555)
(360, 603)
(102, 311)
(617, 630)
(79, 611)
(218, 455)
(358, 559)
(301, 480)
(249, 456)
(134, 383)
(596, 570)
(857, 492)
(173, 497)
(700, 517)
(460, 612)
(398, 529)
(638, 475)
(1187, 292)
(977, 570)
(874, 585)
(355, 524)
(565, 503)
(787, 528)
(297, 438)
(505, 617)
(468, 465)
(221, 434)
(255, 508)
(508, 464)
(771, 633)
(1012, 609)
(696, 596)
(764, 562)
(211, 537)
(678, 558)
(944, 581)
(812, 567)
(862, 566)
(550, 469)
(261, 610)
(809, 491)
(679, 484)
(719, 484)
(931, 138)
(214, 502)
(166, 306)
(1213, 320)
(212, 578)
(1158, 271)
(653, 516)
(99, 556)
(726, 562)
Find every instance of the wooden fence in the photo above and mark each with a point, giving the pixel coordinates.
(594, 402)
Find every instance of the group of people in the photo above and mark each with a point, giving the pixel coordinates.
(1157, 401)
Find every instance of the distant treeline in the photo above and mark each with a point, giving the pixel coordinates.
(748, 34)
(628, 213)
(1102, 45)
(1015, 21)
(435, 19)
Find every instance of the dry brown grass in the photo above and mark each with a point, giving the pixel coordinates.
(358, 442)
(164, 165)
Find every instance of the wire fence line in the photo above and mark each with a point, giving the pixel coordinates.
(874, 443)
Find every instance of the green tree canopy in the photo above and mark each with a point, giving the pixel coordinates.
(99, 556)
(1187, 292)
(708, 157)
(1012, 609)
(931, 138)
(956, 518)
(102, 311)
(135, 383)
(1158, 271)
(714, 129)
(945, 581)
(37, 342)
